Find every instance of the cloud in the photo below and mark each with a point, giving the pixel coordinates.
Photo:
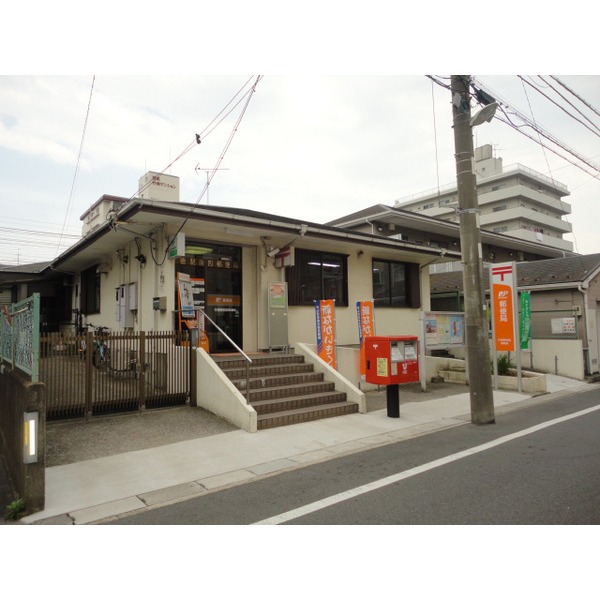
(313, 147)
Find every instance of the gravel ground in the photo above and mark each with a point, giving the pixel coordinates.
(77, 440)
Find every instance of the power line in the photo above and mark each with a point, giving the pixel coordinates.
(541, 131)
(548, 166)
(561, 107)
(209, 179)
(576, 95)
(87, 114)
(569, 102)
(199, 137)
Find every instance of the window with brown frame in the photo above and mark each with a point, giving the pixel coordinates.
(90, 291)
(317, 276)
(396, 284)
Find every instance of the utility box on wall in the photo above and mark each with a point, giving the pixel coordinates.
(392, 360)
(125, 304)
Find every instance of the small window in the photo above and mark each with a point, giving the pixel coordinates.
(317, 276)
(90, 291)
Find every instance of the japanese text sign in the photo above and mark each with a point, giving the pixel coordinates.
(503, 275)
(325, 322)
(366, 327)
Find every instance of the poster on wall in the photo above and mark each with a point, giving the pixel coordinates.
(444, 329)
(190, 293)
(278, 295)
(366, 326)
(186, 296)
(325, 323)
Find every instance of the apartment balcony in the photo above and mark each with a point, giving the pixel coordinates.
(540, 238)
(497, 219)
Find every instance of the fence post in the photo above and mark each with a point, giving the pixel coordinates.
(193, 376)
(142, 370)
(89, 350)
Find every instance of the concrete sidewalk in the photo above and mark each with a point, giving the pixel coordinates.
(93, 490)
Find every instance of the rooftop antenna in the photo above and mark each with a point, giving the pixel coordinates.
(207, 171)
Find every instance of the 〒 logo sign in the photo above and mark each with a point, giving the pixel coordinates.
(503, 306)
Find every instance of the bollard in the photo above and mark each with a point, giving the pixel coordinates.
(392, 393)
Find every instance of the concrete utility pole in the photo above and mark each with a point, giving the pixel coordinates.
(476, 326)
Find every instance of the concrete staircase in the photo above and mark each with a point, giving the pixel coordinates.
(285, 390)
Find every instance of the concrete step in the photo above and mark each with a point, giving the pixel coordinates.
(285, 391)
(235, 373)
(303, 415)
(296, 402)
(278, 381)
(258, 360)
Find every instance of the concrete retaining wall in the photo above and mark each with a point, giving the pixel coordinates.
(216, 393)
(347, 363)
(560, 357)
(531, 383)
(17, 396)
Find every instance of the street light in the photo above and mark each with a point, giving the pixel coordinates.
(476, 326)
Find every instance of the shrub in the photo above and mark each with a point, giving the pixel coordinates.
(15, 510)
(504, 364)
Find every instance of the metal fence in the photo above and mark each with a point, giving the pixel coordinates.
(19, 336)
(100, 373)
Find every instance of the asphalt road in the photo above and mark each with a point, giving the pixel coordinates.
(537, 465)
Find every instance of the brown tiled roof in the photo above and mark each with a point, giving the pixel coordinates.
(571, 269)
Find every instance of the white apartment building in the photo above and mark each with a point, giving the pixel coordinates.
(516, 201)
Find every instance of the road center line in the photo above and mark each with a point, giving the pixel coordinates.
(375, 485)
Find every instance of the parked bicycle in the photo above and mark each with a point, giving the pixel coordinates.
(100, 352)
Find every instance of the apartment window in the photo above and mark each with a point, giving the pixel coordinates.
(396, 284)
(499, 208)
(317, 276)
(90, 291)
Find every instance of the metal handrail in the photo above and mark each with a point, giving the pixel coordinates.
(246, 357)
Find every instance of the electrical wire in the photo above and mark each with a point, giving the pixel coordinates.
(523, 80)
(549, 170)
(576, 95)
(87, 114)
(540, 131)
(437, 163)
(199, 137)
(569, 102)
(209, 179)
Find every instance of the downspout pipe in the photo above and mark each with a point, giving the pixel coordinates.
(582, 288)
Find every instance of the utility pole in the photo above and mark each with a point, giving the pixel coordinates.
(476, 326)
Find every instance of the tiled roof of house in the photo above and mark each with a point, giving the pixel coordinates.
(571, 269)
(25, 269)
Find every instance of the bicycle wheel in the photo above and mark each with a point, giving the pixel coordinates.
(101, 357)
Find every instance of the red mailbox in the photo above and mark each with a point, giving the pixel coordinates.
(392, 360)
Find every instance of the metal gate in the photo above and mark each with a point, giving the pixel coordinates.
(101, 373)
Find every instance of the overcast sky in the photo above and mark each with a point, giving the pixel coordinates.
(310, 147)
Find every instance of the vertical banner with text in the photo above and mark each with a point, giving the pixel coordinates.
(366, 327)
(325, 322)
(502, 282)
(525, 321)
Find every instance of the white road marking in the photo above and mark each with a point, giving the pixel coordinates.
(375, 485)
